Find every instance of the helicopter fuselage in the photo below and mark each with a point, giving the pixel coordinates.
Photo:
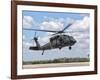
(58, 41)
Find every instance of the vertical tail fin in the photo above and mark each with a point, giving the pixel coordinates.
(37, 43)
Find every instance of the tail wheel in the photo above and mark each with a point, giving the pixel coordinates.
(70, 47)
(60, 47)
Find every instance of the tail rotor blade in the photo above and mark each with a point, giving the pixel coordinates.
(35, 34)
(33, 38)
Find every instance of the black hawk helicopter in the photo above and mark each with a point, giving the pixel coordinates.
(58, 40)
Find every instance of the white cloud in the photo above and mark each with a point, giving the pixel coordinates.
(28, 21)
(83, 45)
(82, 39)
(52, 25)
(60, 23)
(27, 44)
(80, 24)
(43, 40)
(69, 21)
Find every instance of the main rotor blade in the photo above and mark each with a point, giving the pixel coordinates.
(67, 27)
(69, 32)
(74, 31)
(41, 30)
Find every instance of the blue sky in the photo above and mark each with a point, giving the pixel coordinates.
(55, 21)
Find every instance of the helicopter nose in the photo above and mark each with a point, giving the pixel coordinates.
(74, 41)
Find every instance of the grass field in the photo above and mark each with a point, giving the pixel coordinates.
(60, 60)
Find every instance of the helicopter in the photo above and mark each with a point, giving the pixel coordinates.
(58, 40)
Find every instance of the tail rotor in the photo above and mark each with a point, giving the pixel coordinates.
(34, 38)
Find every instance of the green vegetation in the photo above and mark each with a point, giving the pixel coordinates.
(60, 60)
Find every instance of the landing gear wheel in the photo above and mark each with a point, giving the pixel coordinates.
(70, 47)
(60, 47)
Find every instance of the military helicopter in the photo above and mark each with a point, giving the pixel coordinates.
(58, 40)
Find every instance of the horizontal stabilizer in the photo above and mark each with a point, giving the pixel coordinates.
(34, 48)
